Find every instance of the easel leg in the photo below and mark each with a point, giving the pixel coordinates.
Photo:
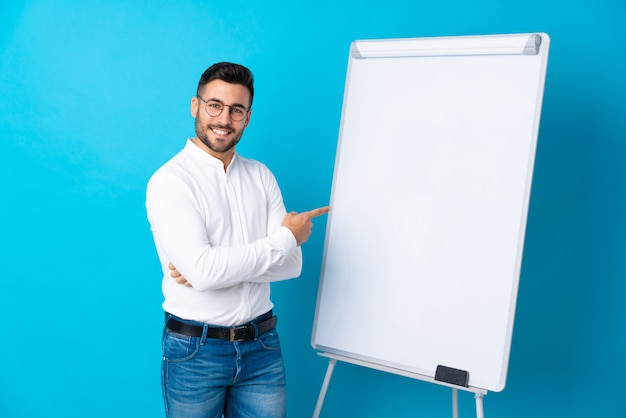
(480, 413)
(455, 403)
(320, 399)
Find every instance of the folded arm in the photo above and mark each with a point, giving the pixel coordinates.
(180, 232)
(299, 224)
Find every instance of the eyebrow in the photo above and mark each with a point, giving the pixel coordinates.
(232, 105)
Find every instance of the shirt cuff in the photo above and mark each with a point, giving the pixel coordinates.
(286, 236)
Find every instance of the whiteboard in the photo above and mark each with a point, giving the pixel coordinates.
(429, 203)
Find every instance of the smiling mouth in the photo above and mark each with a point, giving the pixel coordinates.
(220, 131)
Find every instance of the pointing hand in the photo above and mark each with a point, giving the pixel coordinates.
(300, 224)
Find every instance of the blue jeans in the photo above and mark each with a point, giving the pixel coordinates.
(207, 378)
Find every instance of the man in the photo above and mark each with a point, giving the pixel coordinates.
(222, 235)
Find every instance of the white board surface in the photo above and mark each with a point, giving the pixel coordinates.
(429, 203)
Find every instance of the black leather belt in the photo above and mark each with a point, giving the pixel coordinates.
(234, 334)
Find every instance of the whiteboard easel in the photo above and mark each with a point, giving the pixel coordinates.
(430, 200)
(333, 358)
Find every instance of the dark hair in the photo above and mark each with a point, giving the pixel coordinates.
(230, 73)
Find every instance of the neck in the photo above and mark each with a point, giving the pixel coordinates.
(225, 157)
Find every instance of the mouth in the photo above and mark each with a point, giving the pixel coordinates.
(220, 131)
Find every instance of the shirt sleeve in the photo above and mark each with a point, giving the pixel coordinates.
(290, 262)
(180, 236)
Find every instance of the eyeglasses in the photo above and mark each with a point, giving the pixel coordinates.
(213, 108)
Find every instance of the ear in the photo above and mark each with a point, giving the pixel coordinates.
(195, 104)
(248, 118)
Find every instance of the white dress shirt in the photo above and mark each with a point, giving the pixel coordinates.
(222, 231)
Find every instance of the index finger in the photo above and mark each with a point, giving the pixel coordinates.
(318, 212)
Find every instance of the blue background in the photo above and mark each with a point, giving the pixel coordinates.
(95, 96)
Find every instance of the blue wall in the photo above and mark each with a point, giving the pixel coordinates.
(95, 96)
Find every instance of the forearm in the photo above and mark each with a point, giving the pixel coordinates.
(288, 267)
(210, 268)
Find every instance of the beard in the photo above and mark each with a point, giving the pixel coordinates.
(203, 132)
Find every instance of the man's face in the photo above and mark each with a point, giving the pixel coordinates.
(218, 135)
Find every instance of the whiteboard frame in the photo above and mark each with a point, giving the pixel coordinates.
(490, 45)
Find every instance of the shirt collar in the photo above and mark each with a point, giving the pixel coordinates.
(200, 155)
